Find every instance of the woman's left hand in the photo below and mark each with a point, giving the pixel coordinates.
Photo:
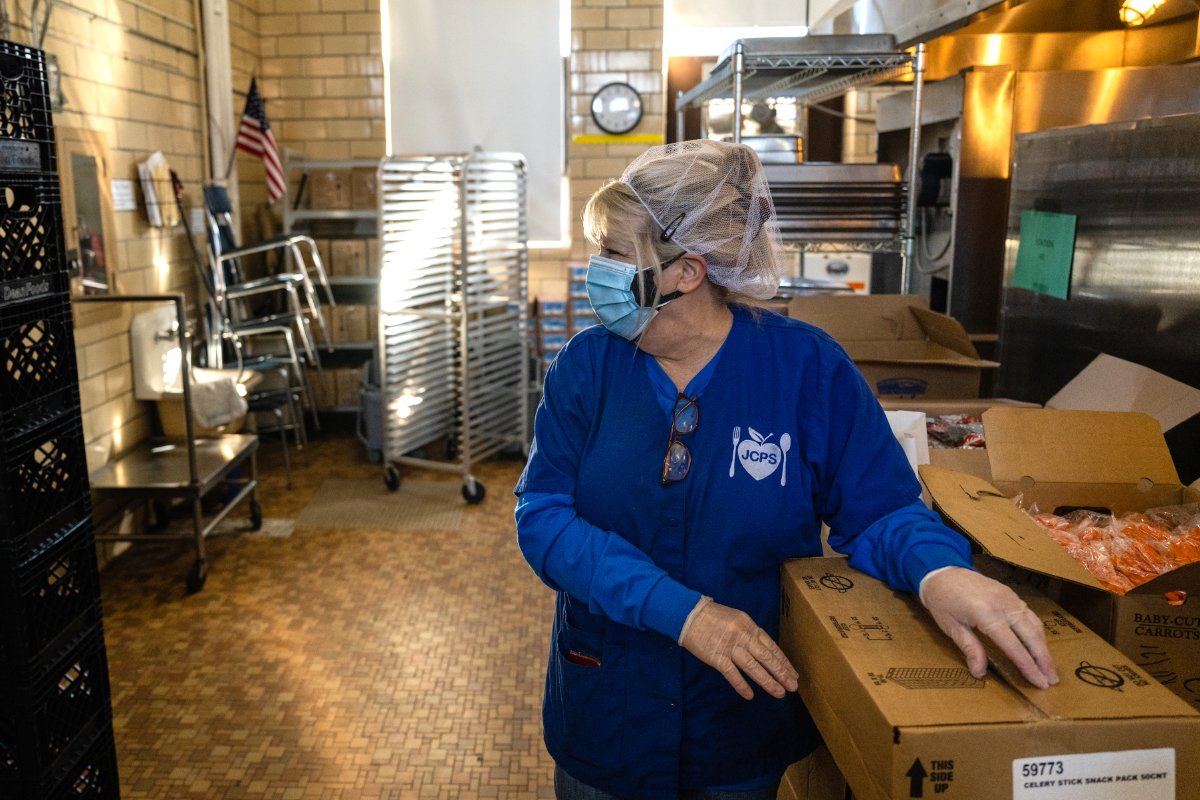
(963, 601)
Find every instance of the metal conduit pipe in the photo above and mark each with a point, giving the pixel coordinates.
(914, 153)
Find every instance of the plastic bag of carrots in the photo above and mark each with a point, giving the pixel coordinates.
(1126, 551)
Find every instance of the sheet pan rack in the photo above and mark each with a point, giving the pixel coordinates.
(453, 331)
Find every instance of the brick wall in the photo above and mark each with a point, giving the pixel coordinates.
(246, 61)
(320, 68)
(132, 73)
(322, 72)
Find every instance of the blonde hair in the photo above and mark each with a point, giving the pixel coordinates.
(615, 208)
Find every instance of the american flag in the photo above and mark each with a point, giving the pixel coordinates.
(255, 137)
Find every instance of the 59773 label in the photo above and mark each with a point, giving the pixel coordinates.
(1144, 774)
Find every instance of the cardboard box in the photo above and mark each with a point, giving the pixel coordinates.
(347, 257)
(970, 460)
(1112, 384)
(813, 778)
(349, 323)
(1117, 461)
(904, 718)
(324, 391)
(372, 322)
(1106, 384)
(329, 189)
(374, 262)
(902, 348)
(348, 387)
(364, 187)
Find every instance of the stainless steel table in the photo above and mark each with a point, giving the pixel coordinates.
(189, 470)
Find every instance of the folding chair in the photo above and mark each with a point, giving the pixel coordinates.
(227, 253)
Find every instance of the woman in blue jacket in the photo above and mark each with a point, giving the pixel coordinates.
(683, 450)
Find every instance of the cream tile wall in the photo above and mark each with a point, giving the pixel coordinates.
(319, 66)
(322, 72)
(132, 73)
(244, 50)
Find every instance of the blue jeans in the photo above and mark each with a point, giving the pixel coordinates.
(567, 788)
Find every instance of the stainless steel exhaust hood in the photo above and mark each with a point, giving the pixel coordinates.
(913, 21)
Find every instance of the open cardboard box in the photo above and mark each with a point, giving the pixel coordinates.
(972, 460)
(1058, 460)
(1106, 384)
(901, 347)
(903, 717)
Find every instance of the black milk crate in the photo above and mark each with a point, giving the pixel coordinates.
(26, 126)
(47, 716)
(31, 234)
(52, 594)
(43, 479)
(93, 776)
(87, 772)
(38, 379)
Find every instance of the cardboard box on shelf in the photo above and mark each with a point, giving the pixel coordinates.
(372, 265)
(329, 189)
(372, 322)
(1058, 459)
(348, 387)
(364, 188)
(902, 348)
(324, 391)
(349, 257)
(323, 248)
(903, 717)
(349, 323)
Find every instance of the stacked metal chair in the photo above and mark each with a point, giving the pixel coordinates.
(267, 316)
(56, 736)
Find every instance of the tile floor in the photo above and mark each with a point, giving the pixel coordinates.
(333, 663)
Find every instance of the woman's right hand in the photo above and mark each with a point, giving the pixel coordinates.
(728, 641)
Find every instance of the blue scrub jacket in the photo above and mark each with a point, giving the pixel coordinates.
(626, 709)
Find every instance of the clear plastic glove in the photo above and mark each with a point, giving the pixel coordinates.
(963, 602)
(728, 641)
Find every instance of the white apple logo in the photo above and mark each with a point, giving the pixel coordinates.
(759, 457)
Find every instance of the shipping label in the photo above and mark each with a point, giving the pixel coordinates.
(1144, 774)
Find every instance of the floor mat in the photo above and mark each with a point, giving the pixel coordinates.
(436, 505)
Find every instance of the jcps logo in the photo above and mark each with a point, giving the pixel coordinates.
(758, 455)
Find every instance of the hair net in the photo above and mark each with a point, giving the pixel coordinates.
(712, 198)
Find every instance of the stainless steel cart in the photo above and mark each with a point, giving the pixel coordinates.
(161, 471)
(453, 334)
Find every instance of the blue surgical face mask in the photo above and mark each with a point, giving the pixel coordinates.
(615, 299)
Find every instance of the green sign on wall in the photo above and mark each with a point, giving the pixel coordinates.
(1045, 252)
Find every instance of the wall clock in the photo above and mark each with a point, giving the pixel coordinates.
(617, 108)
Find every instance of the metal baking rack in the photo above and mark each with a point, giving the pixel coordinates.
(453, 335)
